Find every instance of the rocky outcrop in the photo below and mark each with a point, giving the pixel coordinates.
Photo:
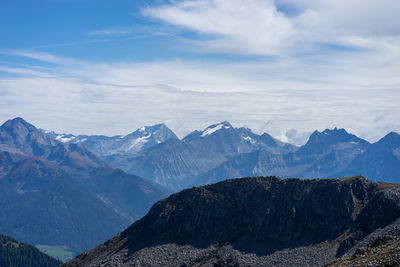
(254, 222)
(380, 248)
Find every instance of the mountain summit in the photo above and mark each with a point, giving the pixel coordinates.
(320, 141)
(17, 135)
(209, 130)
(141, 139)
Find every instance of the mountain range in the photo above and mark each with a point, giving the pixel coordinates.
(222, 151)
(263, 221)
(141, 139)
(331, 153)
(77, 191)
(60, 194)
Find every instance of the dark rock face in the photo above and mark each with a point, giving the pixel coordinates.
(380, 248)
(253, 222)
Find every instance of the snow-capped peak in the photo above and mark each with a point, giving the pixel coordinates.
(216, 127)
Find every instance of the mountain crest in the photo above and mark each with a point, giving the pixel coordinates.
(390, 138)
(141, 139)
(154, 127)
(215, 127)
(334, 136)
(161, 129)
(18, 125)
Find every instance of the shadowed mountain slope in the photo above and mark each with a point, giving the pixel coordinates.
(19, 136)
(90, 170)
(380, 160)
(16, 254)
(41, 204)
(63, 194)
(254, 222)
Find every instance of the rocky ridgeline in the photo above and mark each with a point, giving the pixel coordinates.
(253, 222)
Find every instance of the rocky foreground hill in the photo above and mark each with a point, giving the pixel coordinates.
(262, 221)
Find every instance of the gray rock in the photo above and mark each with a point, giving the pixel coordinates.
(262, 221)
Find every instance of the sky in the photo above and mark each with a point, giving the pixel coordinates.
(285, 67)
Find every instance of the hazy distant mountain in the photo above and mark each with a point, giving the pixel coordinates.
(16, 254)
(175, 163)
(55, 173)
(142, 139)
(41, 204)
(248, 164)
(221, 151)
(336, 139)
(129, 195)
(381, 160)
(326, 154)
(19, 136)
(260, 221)
(225, 140)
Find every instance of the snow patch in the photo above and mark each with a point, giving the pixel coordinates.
(64, 139)
(249, 139)
(211, 130)
(139, 142)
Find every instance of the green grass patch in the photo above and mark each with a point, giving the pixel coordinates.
(62, 253)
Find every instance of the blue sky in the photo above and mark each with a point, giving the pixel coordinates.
(109, 67)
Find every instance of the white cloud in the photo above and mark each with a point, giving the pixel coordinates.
(99, 98)
(113, 31)
(39, 56)
(25, 71)
(259, 27)
(232, 25)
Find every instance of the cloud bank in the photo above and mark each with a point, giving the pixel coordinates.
(288, 65)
